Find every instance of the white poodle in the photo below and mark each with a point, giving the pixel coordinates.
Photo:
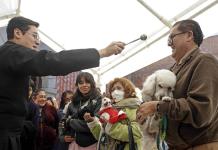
(158, 86)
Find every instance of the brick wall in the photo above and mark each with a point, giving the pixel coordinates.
(64, 83)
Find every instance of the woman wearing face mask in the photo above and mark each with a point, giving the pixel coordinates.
(46, 121)
(123, 94)
(86, 99)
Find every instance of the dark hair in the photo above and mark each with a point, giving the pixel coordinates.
(88, 78)
(93, 93)
(64, 94)
(129, 88)
(50, 99)
(35, 93)
(20, 23)
(191, 25)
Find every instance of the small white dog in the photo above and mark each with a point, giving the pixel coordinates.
(105, 103)
(158, 86)
(110, 114)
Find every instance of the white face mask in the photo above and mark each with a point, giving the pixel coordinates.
(117, 95)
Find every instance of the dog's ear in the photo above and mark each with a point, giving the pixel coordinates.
(149, 87)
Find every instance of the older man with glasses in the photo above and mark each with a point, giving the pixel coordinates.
(192, 116)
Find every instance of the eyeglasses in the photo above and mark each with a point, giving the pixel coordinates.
(34, 35)
(172, 36)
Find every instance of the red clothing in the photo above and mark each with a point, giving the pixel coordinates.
(114, 115)
(47, 128)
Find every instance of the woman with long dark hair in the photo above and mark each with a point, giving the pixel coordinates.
(86, 99)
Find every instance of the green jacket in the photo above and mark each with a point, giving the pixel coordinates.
(119, 131)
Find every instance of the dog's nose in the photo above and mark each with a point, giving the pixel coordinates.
(105, 104)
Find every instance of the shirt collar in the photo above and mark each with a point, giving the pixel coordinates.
(183, 59)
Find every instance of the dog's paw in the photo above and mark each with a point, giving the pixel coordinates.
(105, 116)
(167, 98)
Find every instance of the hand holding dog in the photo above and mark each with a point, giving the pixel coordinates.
(146, 109)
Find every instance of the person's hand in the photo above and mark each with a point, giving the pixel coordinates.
(88, 118)
(113, 48)
(68, 139)
(66, 122)
(146, 109)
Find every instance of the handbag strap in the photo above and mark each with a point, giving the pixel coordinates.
(132, 144)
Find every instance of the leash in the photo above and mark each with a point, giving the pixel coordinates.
(162, 134)
(132, 144)
(104, 140)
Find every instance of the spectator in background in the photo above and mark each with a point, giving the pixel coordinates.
(20, 58)
(66, 98)
(46, 122)
(53, 102)
(65, 137)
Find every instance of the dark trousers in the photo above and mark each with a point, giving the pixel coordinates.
(10, 140)
(28, 136)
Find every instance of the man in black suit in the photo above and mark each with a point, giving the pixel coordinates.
(20, 58)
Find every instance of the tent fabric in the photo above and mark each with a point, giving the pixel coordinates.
(8, 7)
(80, 24)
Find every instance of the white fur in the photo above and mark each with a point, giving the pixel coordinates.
(158, 86)
(105, 103)
(139, 94)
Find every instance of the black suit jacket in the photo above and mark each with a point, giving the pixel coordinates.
(17, 63)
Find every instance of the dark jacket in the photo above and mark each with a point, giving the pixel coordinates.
(76, 110)
(193, 115)
(17, 63)
(47, 127)
(28, 135)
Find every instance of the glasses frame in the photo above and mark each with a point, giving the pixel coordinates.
(171, 37)
(34, 35)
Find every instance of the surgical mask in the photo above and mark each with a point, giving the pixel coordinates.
(117, 95)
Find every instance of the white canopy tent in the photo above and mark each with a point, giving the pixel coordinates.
(71, 24)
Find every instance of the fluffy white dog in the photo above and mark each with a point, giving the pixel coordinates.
(158, 86)
(110, 114)
(106, 103)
